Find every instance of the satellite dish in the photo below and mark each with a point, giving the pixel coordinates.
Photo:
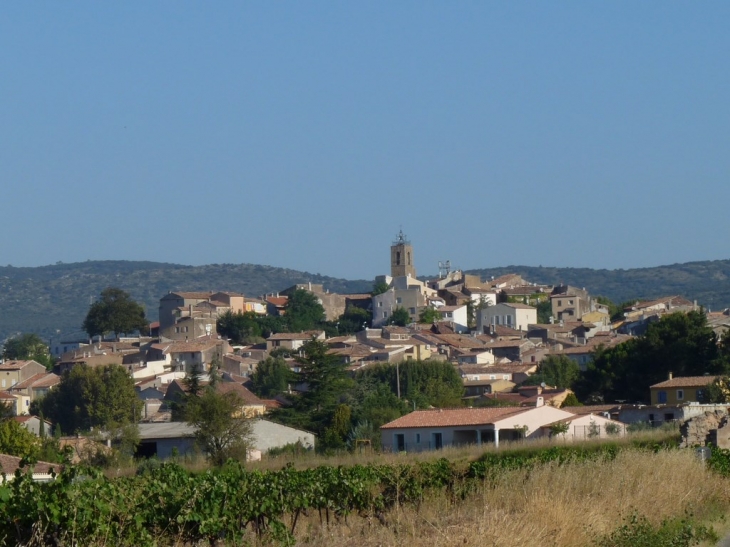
(543, 385)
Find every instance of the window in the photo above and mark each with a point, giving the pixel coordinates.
(492, 377)
(412, 311)
(669, 417)
(380, 304)
(560, 303)
(570, 302)
(418, 438)
(680, 394)
(3, 383)
(398, 300)
(385, 314)
(662, 397)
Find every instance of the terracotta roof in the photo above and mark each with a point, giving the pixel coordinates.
(306, 335)
(192, 347)
(452, 417)
(47, 379)
(277, 300)
(8, 465)
(193, 295)
(232, 387)
(687, 381)
(16, 365)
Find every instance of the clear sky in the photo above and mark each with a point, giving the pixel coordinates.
(305, 134)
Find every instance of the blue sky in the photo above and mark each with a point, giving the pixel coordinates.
(305, 134)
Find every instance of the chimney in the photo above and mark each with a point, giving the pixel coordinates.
(670, 375)
(539, 402)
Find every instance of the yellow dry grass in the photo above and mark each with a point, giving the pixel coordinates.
(561, 506)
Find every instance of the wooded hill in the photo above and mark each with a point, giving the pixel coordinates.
(707, 282)
(47, 298)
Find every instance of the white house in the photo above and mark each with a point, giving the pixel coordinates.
(455, 314)
(437, 428)
(516, 316)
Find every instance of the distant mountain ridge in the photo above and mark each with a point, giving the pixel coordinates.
(49, 298)
(45, 299)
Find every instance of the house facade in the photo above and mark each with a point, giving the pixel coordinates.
(516, 316)
(675, 391)
(438, 428)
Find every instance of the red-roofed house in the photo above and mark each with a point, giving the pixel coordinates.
(438, 428)
(686, 389)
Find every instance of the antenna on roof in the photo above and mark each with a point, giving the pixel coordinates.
(444, 268)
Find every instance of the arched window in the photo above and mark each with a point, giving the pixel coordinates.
(397, 258)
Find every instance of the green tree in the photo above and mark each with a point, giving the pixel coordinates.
(304, 311)
(86, 398)
(271, 377)
(429, 315)
(425, 383)
(353, 320)
(571, 400)
(28, 347)
(17, 441)
(335, 436)
(240, 328)
(380, 288)
(558, 371)
(718, 392)
(222, 430)
(400, 317)
(544, 312)
(681, 343)
(325, 377)
(115, 312)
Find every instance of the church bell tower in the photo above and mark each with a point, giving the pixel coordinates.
(401, 257)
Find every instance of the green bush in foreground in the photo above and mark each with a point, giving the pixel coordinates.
(638, 532)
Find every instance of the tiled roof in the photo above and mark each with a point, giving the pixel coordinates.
(192, 347)
(39, 380)
(687, 381)
(306, 335)
(193, 295)
(247, 396)
(452, 417)
(8, 465)
(15, 365)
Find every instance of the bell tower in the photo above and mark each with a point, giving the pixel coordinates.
(401, 257)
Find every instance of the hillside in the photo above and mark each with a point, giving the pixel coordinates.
(50, 298)
(707, 282)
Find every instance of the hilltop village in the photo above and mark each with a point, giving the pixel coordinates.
(417, 364)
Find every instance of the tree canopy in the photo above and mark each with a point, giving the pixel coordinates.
(222, 429)
(114, 312)
(28, 346)
(429, 315)
(304, 311)
(17, 441)
(556, 371)
(99, 397)
(271, 377)
(400, 317)
(681, 343)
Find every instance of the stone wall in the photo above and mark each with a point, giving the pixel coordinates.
(703, 429)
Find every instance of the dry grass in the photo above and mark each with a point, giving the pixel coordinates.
(566, 506)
